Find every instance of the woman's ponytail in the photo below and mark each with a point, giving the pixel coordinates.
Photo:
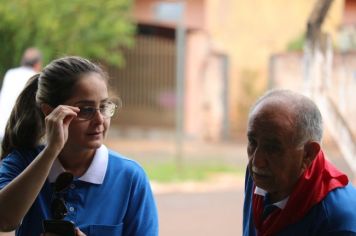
(25, 127)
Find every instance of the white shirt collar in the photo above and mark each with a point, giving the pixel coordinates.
(95, 174)
(281, 204)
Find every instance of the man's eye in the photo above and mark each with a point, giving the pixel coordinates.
(251, 147)
(252, 142)
(271, 148)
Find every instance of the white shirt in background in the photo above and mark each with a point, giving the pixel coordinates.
(13, 83)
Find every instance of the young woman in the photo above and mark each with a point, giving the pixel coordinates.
(58, 126)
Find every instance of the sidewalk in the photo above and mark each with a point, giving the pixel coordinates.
(192, 151)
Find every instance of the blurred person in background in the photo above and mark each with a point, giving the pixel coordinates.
(54, 163)
(14, 81)
(290, 187)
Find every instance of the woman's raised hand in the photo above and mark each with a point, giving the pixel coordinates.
(57, 122)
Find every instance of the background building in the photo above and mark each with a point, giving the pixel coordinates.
(228, 45)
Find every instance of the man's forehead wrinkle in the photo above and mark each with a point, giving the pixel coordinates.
(271, 120)
(276, 136)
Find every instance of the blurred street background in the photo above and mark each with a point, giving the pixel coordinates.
(187, 73)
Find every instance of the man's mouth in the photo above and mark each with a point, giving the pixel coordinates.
(260, 172)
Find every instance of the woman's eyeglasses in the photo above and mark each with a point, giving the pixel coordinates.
(58, 206)
(107, 110)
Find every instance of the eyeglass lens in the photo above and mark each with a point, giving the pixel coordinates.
(107, 110)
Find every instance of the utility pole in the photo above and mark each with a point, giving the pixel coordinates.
(174, 12)
(316, 20)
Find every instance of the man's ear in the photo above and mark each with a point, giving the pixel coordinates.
(46, 109)
(311, 150)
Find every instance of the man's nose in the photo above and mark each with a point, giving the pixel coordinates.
(259, 158)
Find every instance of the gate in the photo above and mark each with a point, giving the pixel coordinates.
(146, 83)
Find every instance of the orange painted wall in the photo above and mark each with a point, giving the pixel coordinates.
(249, 32)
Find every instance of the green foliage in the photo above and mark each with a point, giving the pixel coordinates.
(95, 29)
(296, 44)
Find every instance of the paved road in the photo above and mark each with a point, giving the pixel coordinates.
(205, 214)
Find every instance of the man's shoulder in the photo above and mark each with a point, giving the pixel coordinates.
(345, 195)
(20, 71)
(339, 207)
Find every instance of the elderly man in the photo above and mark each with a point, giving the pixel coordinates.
(14, 81)
(290, 187)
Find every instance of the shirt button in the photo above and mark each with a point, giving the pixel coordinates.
(72, 186)
(71, 209)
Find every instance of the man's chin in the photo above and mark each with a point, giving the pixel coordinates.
(263, 182)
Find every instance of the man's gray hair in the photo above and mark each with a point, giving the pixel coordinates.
(308, 120)
(31, 57)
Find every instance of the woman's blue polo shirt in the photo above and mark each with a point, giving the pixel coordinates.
(113, 197)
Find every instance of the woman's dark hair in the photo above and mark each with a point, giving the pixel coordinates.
(53, 86)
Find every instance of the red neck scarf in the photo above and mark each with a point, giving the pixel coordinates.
(318, 180)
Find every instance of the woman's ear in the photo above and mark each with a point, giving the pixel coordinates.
(311, 150)
(46, 109)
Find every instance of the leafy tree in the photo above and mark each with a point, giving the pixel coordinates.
(95, 29)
